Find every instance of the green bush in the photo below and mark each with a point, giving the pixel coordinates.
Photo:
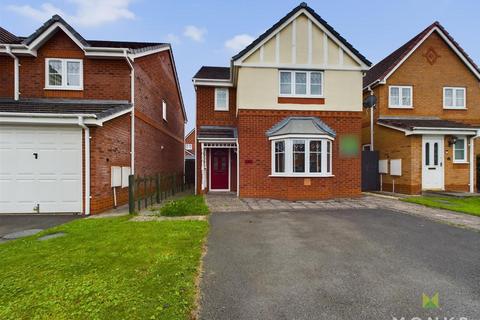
(186, 206)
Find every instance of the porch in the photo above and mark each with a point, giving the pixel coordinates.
(219, 163)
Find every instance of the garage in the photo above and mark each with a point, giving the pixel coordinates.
(40, 169)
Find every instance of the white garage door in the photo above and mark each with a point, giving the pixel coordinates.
(40, 166)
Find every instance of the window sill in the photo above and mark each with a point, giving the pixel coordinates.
(301, 175)
(301, 100)
(454, 108)
(460, 162)
(64, 88)
(221, 110)
(399, 107)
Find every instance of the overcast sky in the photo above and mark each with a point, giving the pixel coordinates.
(211, 32)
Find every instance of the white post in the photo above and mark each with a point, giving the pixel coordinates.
(472, 167)
(204, 167)
(238, 169)
(371, 128)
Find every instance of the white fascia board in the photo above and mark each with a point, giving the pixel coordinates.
(134, 56)
(113, 116)
(217, 140)
(41, 38)
(212, 83)
(442, 131)
(394, 128)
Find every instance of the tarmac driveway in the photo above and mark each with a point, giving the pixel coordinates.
(342, 264)
(15, 223)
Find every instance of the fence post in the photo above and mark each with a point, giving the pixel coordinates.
(145, 191)
(157, 187)
(131, 194)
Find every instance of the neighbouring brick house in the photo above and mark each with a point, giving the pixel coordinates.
(78, 116)
(427, 116)
(190, 145)
(284, 120)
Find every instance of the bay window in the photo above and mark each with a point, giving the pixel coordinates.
(302, 157)
(454, 98)
(64, 74)
(301, 83)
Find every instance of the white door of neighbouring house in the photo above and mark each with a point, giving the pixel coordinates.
(432, 163)
(40, 166)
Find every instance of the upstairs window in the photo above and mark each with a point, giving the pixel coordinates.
(164, 110)
(400, 97)
(301, 83)
(64, 74)
(454, 98)
(221, 99)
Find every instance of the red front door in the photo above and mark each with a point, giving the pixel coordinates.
(219, 169)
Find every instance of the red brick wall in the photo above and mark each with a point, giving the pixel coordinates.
(107, 79)
(206, 114)
(255, 148)
(6, 77)
(159, 144)
(109, 146)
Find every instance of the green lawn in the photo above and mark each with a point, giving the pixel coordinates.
(470, 205)
(186, 206)
(103, 269)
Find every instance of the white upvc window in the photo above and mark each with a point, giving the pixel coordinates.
(302, 157)
(460, 150)
(63, 74)
(164, 110)
(301, 83)
(454, 98)
(221, 99)
(400, 97)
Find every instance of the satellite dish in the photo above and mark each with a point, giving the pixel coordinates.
(370, 102)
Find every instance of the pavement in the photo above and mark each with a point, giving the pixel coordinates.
(20, 225)
(337, 264)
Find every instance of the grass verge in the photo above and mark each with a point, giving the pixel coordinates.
(186, 206)
(469, 205)
(103, 269)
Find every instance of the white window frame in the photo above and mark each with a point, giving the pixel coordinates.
(188, 146)
(292, 84)
(400, 106)
(64, 75)
(164, 110)
(289, 156)
(221, 108)
(464, 159)
(454, 98)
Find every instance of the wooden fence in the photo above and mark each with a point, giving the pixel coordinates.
(144, 191)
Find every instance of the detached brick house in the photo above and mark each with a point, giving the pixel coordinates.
(74, 112)
(284, 120)
(427, 116)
